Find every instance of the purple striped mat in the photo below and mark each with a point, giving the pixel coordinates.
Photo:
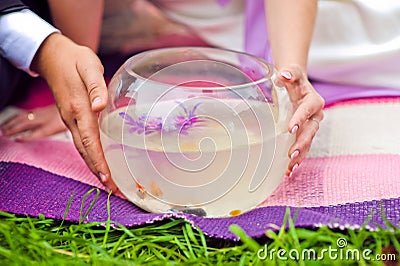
(27, 190)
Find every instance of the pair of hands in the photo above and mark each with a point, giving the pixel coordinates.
(76, 79)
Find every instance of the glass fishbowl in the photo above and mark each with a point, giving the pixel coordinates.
(196, 130)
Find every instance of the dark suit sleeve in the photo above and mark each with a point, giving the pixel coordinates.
(7, 6)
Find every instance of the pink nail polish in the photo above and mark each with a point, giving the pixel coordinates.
(294, 129)
(295, 167)
(294, 154)
(286, 75)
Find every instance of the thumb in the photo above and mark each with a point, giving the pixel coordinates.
(91, 74)
(291, 74)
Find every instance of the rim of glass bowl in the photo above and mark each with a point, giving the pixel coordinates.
(257, 59)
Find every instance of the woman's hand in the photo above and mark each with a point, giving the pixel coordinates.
(290, 27)
(308, 105)
(35, 124)
(75, 75)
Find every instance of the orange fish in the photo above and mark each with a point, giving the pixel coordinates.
(141, 192)
(235, 212)
(155, 189)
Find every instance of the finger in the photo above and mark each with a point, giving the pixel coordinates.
(11, 122)
(104, 178)
(33, 134)
(311, 106)
(300, 148)
(306, 133)
(290, 74)
(42, 131)
(88, 140)
(92, 76)
(78, 144)
(305, 99)
(19, 124)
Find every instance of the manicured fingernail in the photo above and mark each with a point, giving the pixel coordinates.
(103, 177)
(294, 154)
(294, 129)
(96, 102)
(293, 168)
(286, 75)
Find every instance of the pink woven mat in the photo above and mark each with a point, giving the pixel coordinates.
(59, 157)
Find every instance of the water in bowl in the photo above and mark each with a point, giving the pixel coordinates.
(203, 155)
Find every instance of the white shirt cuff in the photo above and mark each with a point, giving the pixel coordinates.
(21, 34)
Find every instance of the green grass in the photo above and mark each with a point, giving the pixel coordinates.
(42, 241)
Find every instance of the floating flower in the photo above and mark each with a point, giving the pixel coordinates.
(150, 124)
(184, 122)
(145, 123)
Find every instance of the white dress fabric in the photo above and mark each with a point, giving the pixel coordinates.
(357, 42)
(220, 25)
(134, 25)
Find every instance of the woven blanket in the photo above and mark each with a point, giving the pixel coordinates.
(350, 179)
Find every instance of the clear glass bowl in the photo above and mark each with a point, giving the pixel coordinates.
(196, 130)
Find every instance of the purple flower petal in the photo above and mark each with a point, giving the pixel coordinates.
(191, 113)
(127, 118)
(184, 132)
(182, 106)
(149, 124)
(132, 130)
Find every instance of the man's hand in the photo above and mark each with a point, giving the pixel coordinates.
(75, 75)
